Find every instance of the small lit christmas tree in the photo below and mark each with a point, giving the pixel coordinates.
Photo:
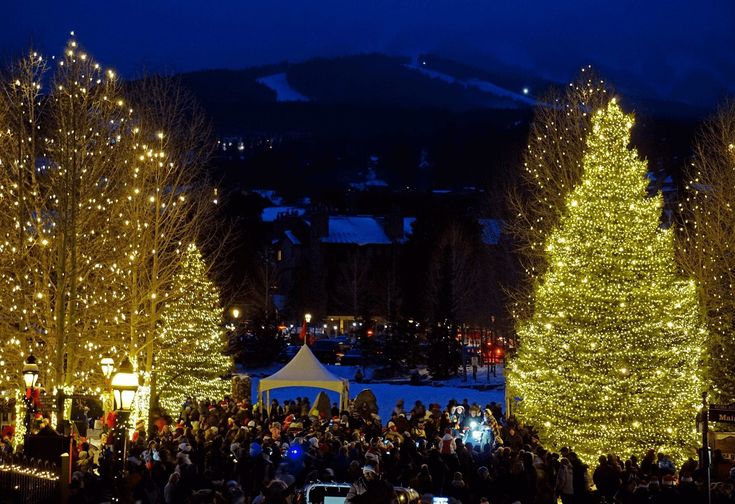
(191, 361)
(609, 360)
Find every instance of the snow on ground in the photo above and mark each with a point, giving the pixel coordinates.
(389, 393)
(284, 92)
(482, 85)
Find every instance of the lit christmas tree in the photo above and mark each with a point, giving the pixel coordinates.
(609, 360)
(191, 362)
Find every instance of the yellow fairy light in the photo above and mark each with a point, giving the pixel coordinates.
(193, 338)
(590, 380)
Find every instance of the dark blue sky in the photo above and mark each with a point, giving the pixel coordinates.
(684, 50)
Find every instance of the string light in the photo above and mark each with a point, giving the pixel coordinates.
(83, 254)
(706, 239)
(190, 362)
(609, 361)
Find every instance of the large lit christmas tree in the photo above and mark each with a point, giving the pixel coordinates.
(191, 362)
(609, 360)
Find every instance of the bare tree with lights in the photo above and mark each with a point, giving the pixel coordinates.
(99, 190)
(552, 166)
(707, 251)
(63, 150)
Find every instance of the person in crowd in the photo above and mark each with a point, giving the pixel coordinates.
(230, 451)
(370, 488)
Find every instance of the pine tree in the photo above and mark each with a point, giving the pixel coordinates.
(190, 361)
(609, 359)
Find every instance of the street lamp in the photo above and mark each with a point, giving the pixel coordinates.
(307, 319)
(108, 366)
(124, 386)
(30, 377)
(235, 313)
(30, 372)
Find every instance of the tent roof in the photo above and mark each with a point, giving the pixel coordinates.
(304, 370)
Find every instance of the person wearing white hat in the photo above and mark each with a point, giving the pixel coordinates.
(370, 488)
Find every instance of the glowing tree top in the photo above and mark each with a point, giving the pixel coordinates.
(609, 360)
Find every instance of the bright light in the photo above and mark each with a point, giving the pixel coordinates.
(30, 372)
(307, 317)
(525, 90)
(235, 313)
(124, 386)
(108, 366)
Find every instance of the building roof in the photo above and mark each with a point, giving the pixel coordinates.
(292, 237)
(408, 226)
(270, 214)
(490, 231)
(356, 230)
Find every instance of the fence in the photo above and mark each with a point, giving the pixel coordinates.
(30, 481)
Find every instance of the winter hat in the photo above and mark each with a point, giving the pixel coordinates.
(277, 484)
(372, 457)
(369, 469)
(255, 449)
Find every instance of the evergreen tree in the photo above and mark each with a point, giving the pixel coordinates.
(609, 360)
(191, 361)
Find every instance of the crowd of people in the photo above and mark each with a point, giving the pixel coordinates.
(231, 452)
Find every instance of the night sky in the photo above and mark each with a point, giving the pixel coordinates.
(674, 49)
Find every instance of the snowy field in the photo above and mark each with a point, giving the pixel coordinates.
(284, 92)
(389, 393)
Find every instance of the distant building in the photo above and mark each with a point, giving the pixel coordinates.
(342, 267)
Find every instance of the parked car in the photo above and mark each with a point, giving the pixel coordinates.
(288, 353)
(327, 351)
(353, 357)
(335, 493)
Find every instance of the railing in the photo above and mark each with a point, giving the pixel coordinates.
(29, 481)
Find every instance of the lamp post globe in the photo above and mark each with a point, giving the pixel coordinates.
(124, 386)
(30, 372)
(307, 317)
(108, 366)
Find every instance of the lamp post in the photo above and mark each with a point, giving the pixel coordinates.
(108, 366)
(30, 378)
(124, 387)
(307, 319)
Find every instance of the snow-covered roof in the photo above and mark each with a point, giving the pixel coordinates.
(357, 230)
(490, 231)
(269, 194)
(292, 237)
(408, 226)
(270, 214)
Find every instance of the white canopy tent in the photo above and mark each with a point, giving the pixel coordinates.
(304, 370)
